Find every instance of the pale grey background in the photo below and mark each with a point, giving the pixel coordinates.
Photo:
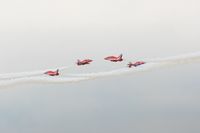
(43, 33)
(46, 34)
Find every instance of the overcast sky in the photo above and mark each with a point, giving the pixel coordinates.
(47, 33)
(39, 34)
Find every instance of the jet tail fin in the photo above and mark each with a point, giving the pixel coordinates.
(130, 64)
(57, 71)
(120, 56)
(78, 62)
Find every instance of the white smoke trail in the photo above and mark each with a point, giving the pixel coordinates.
(26, 74)
(32, 77)
(38, 79)
(179, 59)
(45, 79)
(120, 71)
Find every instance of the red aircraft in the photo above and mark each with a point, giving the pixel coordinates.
(52, 73)
(114, 58)
(138, 63)
(83, 62)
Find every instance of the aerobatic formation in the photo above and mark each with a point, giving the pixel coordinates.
(60, 75)
(88, 61)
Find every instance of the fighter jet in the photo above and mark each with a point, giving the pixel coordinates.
(52, 73)
(114, 58)
(135, 64)
(83, 62)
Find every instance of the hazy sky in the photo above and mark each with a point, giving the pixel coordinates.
(161, 101)
(45, 33)
(38, 34)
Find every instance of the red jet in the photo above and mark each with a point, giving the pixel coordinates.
(83, 62)
(52, 73)
(138, 63)
(114, 58)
